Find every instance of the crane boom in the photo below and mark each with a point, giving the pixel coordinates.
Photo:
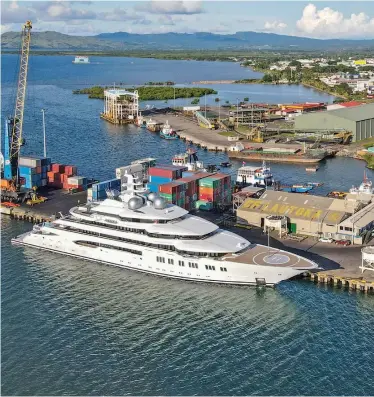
(14, 125)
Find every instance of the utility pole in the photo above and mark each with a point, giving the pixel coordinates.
(174, 98)
(205, 105)
(44, 137)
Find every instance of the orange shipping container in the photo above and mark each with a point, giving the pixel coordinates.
(206, 190)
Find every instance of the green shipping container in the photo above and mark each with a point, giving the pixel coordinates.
(292, 227)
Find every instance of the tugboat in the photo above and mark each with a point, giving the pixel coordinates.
(190, 160)
(167, 132)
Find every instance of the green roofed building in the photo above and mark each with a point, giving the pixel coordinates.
(358, 119)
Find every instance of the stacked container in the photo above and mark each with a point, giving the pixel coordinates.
(99, 189)
(192, 188)
(215, 189)
(77, 183)
(174, 193)
(33, 171)
(163, 174)
(59, 174)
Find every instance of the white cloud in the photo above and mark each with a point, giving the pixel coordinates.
(274, 26)
(172, 7)
(11, 12)
(119, 14)
(331, 23)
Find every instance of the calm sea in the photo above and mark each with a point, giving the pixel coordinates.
(79, 328)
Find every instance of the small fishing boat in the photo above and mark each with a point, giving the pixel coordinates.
(311, 169)
(296, 188)
(226, 164)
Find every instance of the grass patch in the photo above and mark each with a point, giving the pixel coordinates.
(227, 133)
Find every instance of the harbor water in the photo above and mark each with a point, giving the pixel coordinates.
(79, 328)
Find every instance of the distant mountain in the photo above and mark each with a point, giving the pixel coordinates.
(179, 41)
(58, 41)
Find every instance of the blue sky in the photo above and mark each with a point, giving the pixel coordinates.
(320, 19)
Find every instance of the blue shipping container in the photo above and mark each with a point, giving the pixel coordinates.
(105, 185)
(153, 187)
(23, 170)
(159, 179)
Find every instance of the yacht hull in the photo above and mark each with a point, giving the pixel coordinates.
(220, 272)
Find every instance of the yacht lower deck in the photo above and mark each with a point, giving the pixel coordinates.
(265, 256)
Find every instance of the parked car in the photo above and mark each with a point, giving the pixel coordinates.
(326, 240)
(343, 242)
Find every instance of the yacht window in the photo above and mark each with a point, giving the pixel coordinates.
(223, 269)
(96, 244)
(181, 263)
(171, 261)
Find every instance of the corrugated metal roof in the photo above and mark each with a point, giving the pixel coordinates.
(292, 205)
(355, 113)
(361, 218)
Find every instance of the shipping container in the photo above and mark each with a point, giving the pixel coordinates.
(30, 161)
(174, 187)
(159, 179)
(167, 171)
(25, 170)
(112, 184)
(153, 187)
(57, 167)
(203, 205)
(77, 180)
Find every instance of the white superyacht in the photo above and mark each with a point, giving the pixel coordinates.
(137, 230)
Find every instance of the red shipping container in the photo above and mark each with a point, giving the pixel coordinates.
(70, 170)
(57, 167)
(167, 171)
(171, 187)
(206, 197)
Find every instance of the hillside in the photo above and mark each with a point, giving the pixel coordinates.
(179, 41)
(58, 41)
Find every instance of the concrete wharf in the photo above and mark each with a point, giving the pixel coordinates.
(188, 129)
(58, 201)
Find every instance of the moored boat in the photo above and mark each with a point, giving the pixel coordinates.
(256, 176)
(167, 132)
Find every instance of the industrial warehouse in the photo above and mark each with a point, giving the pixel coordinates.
(359, 120)
(347, 219)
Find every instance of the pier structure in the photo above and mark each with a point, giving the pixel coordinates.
(120, 106)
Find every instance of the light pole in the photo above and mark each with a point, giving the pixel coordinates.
(44, 137)
(174, 98)
(237, 112)
(205, 105)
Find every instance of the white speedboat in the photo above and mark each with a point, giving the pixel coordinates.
(136, 230)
